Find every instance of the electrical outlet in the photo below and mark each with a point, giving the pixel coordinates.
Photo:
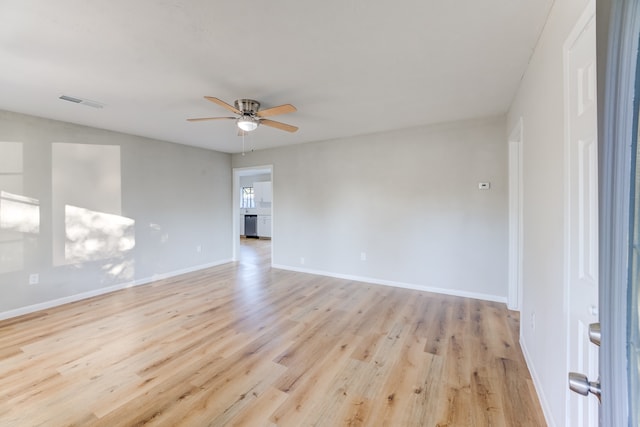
(302, 260)
(199, 248)
(34, 279)
(363, 256)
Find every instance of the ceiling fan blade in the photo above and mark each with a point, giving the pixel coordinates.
(274, 111)
(210, 118)
(223, 104)
(278, 125)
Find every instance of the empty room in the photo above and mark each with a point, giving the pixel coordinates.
(309, 214)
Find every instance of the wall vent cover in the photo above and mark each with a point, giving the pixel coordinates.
(87, 102)
(71, 99)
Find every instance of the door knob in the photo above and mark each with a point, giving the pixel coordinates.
(594, 333)
(580, 384)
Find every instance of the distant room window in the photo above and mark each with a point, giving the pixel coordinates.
(247, 201)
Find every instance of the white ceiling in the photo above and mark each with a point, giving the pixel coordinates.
(350, 66)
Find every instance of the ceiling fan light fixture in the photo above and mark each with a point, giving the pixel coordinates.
(250, 115)
(247, 123)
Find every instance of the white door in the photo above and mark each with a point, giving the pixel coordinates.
(581, 245)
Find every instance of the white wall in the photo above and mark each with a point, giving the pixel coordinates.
(104, 210)
(408, 199)
(540, 103)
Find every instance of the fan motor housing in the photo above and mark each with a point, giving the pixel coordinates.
(247, 106)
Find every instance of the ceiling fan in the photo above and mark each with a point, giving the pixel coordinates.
(250, 115)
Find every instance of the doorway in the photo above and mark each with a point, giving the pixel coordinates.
(246, 177)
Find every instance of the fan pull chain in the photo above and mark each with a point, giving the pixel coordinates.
(243, 143)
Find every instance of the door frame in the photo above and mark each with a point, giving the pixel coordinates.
(619, 22)
(235, 203)
(514, 296)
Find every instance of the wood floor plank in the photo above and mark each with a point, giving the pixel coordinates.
(266, 403)
(316, 381)
(246, 345)
(405, 396)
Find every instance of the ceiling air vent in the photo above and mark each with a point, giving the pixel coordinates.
(87, 102)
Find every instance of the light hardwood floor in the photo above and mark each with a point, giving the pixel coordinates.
(243, 344)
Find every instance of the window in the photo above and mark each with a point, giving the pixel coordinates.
(246, 198)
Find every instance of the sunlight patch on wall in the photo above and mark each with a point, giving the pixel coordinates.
(93, 236)
(18, 214)
(87, 221)
(121, 270)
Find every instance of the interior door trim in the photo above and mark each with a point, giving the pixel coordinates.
(514, 297)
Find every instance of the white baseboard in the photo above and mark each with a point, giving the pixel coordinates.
(546, 409)
(143, 281)
(375, 281)
(89, 294)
